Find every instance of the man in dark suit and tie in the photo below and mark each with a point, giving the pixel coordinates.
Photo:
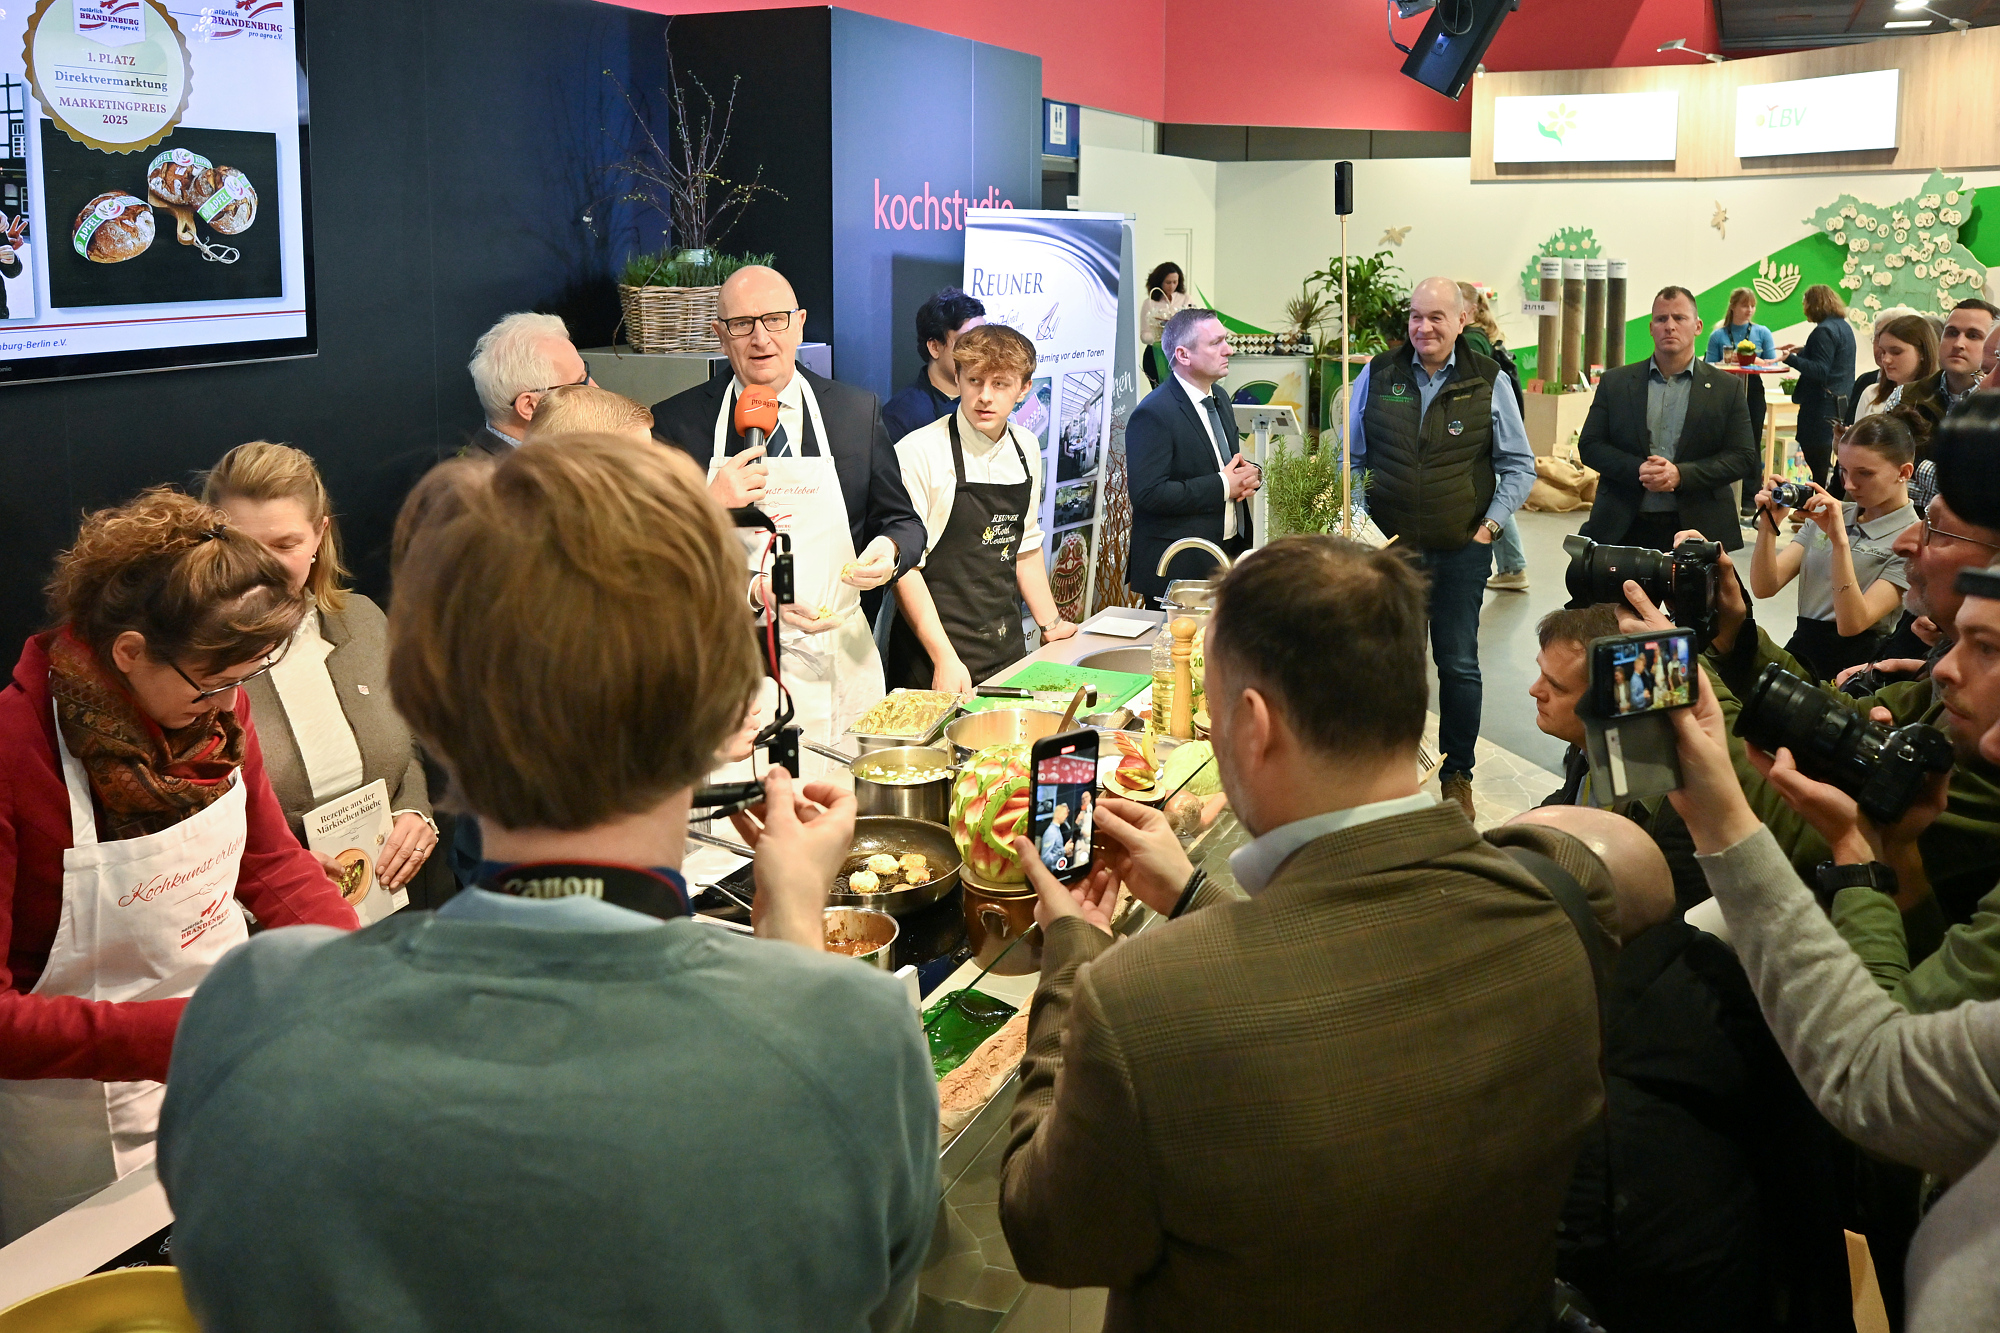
(1186, 477)
(1667, 436)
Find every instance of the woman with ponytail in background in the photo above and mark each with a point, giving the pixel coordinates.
(134, 815)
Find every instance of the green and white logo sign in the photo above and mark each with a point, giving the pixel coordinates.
(1587, 127)
(1833, 115)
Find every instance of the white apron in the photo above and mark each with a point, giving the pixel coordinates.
(835, 676)
(142, 919)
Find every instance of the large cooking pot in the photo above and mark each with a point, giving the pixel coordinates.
(1138, 661)
(997, 915)
(896, 836)
(882, 785)
(999, 726)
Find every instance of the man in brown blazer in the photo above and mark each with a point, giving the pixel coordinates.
(1352, 1099)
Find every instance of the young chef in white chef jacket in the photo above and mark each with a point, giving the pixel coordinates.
(975, 478)
(827, 476)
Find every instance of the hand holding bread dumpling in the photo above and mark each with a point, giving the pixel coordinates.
(224, 198)
(112, 227)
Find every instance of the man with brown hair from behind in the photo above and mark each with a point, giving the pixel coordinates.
(1351, 1101)
(557, 1102)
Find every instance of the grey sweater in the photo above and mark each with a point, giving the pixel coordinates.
(441, 1122)
(1920, 1088)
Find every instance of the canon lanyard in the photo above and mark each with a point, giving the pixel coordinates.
(658, 893)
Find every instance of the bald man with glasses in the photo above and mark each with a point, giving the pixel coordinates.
(853, 527)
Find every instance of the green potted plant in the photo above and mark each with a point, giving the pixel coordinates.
(1302, 490)
(669, 297)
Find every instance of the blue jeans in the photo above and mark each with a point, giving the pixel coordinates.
(1508, 557)
(1458, 587)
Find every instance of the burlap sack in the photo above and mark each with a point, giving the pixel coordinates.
(1561, 484)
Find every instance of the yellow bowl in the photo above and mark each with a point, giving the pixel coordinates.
(126, 1300)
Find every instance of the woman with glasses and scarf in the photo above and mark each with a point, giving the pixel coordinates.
(136, 826)
(329, 728)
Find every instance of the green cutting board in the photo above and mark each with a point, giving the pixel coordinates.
(1113, 687)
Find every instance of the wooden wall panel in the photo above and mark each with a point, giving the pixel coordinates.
(1949, 114)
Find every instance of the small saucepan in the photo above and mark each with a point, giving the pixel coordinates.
(906, 781)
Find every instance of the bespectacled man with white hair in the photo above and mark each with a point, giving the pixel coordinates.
(513, 364)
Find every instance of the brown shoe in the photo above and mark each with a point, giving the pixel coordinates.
(1457, 787)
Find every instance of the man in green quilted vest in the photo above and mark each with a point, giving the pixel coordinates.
(1439, 429)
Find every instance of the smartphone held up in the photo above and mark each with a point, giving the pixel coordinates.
(1063, 776)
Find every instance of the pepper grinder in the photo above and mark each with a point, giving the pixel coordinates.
(1181, 721)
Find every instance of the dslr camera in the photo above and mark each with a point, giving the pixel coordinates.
(1685, 581)
(1883, 770)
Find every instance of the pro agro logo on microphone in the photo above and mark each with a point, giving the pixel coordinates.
(928, 211)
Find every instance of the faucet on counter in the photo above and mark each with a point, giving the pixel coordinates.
(1184, 594)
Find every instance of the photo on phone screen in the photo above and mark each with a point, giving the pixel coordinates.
(1059, 815)
(1646, 673)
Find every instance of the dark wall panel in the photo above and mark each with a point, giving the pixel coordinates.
(455, 146)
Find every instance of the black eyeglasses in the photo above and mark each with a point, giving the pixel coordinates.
(1931, 530)
(571, 385)
(201, 694)
(777, 321)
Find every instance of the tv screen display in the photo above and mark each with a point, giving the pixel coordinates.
(1457, 35)
(153, 186)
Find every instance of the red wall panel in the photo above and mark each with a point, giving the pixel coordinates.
(1314, 63)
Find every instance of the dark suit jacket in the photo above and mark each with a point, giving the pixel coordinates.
(1716, 448)
(1176, 487)
(1826, 375)
(1349, 1103)
(878, 504)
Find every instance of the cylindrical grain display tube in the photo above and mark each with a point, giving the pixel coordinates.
(1614, 312)
(1593, 317)
(1572, 323)
(1548, 334)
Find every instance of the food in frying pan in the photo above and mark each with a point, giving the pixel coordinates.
(224, 198)
(914, 861)
(864, 881)
(882, 864)
(112, 227)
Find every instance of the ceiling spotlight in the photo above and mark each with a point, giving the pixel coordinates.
(1680, 44)
(1908, 6)
(1409, 9)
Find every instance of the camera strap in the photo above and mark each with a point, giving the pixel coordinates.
(1570, 896)
(658, 893)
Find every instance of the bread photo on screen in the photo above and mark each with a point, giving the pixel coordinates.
(112, 227)
(170, 180)
(224, 198)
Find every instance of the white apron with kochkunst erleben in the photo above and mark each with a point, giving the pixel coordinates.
(142, 919)
(834, 676)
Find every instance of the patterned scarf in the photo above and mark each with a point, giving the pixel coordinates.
(146, 778)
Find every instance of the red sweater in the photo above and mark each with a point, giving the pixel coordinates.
(62, 1036)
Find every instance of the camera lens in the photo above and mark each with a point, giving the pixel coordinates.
(1598, 573)
(1883, 770)
(1791, 494)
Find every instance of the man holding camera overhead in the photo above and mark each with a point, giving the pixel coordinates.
(1668, 437)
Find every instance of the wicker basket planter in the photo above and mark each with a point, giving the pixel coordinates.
(670, 319)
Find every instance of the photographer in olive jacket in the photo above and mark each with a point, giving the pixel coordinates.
(1668, 436)
(502, 1112)
(1961, 851)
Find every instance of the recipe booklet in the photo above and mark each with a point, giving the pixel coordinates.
(352, 829)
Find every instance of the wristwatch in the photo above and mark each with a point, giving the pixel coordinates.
(1492, 528)
(1829, 879)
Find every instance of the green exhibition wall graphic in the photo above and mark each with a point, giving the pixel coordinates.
(1569, 243)
(1928, 251)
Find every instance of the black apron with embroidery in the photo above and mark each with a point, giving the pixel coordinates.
(972, 579)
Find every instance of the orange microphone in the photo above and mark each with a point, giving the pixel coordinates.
(756, 414)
